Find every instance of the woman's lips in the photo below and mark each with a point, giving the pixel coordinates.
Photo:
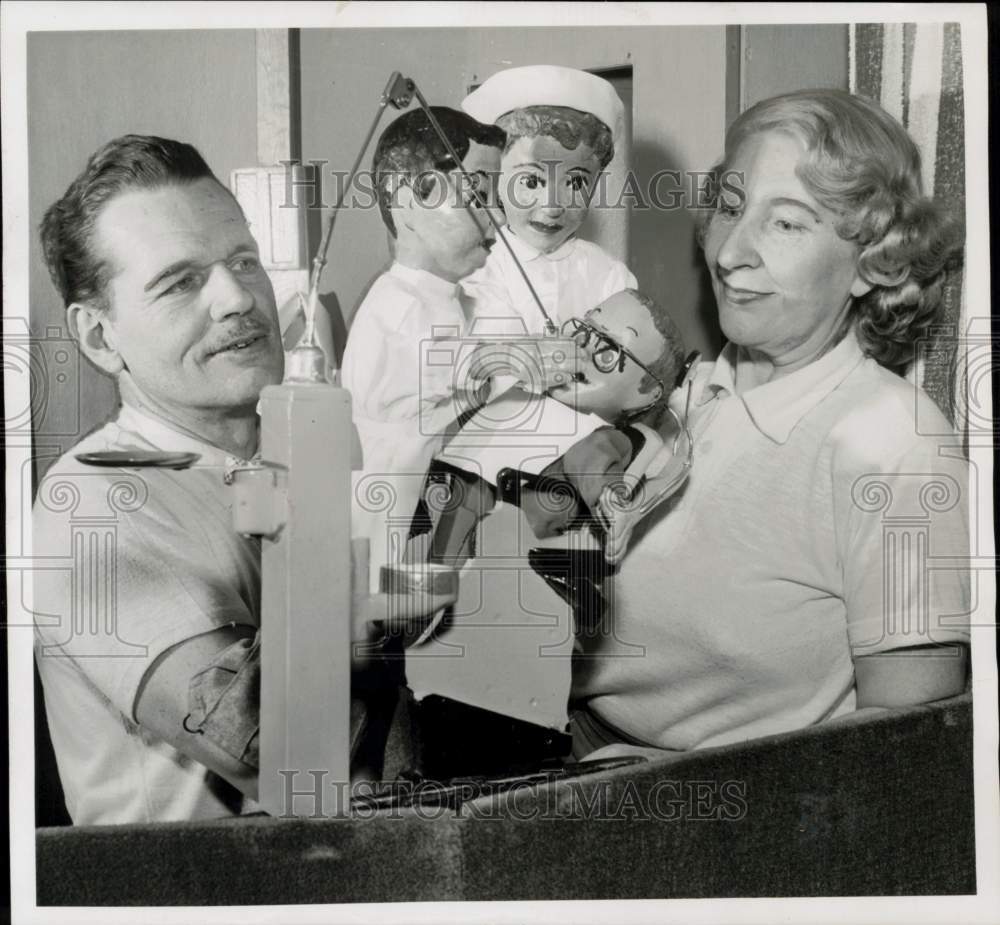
(738, 296)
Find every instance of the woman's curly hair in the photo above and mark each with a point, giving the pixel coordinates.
(862, 165)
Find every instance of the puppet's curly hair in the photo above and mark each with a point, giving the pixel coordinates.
(570, 127)
(862, 165)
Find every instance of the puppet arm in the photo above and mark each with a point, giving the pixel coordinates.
(577, 477)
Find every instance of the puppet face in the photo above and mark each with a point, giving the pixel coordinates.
(192, 314)
(438, 231)
(609, 392)
(546, 189)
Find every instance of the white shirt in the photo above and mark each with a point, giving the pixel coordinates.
(151, 559)
(742, 600)
(402, 390)
(576, 277)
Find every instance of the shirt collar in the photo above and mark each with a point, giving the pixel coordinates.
(424, 281)
(776, 407)
(526, 253)
(164, 435)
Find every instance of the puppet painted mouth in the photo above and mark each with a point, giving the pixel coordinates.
(487, 244)
(545, 228)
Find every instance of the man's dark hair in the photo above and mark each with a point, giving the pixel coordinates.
(131, 162)
(409, 151)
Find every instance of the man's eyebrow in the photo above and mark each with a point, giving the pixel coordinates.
(179, 266)
(176, 267)
(791, 201)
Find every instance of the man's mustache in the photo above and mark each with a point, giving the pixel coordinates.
(247, 329)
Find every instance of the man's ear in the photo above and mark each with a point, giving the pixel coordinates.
(92, 328)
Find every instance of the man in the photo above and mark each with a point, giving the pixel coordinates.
(164, 291)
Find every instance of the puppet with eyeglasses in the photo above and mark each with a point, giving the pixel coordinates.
(632, 357)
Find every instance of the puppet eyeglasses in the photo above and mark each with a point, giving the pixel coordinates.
(607, 354)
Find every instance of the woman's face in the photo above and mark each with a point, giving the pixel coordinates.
(783, 278)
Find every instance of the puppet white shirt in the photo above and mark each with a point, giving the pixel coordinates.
(401, 393)
(577, 276)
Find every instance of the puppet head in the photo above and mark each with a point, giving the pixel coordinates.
(636, 355)
(423, 197)
(561, 125)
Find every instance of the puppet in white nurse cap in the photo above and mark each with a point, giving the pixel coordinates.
(562, 126)
(547, 85)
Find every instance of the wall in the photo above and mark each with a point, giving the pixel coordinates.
(679, 118)
(85, 88)
(778, 58)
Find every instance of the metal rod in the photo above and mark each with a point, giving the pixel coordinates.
(399, 91)
(550, 326)
(319, 261)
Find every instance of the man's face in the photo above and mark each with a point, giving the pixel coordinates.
(452, 242)
(546, 189)
(627, 322)
(192, 312)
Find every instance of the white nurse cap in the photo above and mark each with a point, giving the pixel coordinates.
(547, 85)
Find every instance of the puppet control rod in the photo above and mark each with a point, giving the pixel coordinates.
(399, 93)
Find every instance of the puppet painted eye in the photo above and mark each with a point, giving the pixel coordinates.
(531, 181)
(606, 359)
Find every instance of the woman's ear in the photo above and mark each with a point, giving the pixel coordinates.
(94, 332)
(868, 277)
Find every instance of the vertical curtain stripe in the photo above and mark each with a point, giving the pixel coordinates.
(921, 95)
(867, 79)
(925, 97)
(915, 72)
(892, 69)
(909, 39)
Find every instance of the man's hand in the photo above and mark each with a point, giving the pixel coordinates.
(376, 615)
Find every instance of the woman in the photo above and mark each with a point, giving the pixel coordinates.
(766, 596)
